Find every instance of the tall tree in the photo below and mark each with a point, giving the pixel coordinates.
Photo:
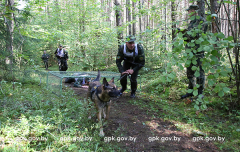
(9, 21)
(201, 4)
(140, 17)
(118, 21)
(238, 49)
(128, 16)
(134, 17)
(173, 10)
(165, 36)
(214, 10)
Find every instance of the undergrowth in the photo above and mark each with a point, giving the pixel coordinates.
(220, 118)
(34, 119)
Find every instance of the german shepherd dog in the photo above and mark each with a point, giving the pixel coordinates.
(100, 94)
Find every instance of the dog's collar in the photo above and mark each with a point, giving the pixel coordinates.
(100, 98)
(96, 91)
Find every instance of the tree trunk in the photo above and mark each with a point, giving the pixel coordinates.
(147, 18)
(173, 9)
(118, 21)
(201, 4)
(214, 7)
(134, 18)
(165, 37)
(237, 54)
(10, 27)
(140, 18)
(128, 16)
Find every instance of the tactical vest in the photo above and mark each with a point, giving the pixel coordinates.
(59, 54)
(130, 54)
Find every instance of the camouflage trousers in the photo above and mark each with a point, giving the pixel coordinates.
(200, 80)
(46, 64)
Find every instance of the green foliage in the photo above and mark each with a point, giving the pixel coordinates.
(83, 27)
(215, 116)
(35, 119)
(213, 62)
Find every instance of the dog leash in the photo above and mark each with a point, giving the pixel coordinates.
(124, 76)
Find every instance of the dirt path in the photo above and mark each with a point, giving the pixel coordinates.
(138, 130)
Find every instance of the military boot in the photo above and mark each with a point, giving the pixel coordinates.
(132, 95)
(187, 95)
(133, 88)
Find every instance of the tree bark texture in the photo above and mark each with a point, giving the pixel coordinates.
(10, 27)
(173, 9)
(128, 17)
(134, 18)
(214, 10)
(201, 11)
(118, 21)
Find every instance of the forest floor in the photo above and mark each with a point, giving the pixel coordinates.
(134, 129)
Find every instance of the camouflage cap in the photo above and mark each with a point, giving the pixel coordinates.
(193, 7)
(130, 38)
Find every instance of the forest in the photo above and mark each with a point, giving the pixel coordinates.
(33, 117)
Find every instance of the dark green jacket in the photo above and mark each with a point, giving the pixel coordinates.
(138, 60)
(45, 57)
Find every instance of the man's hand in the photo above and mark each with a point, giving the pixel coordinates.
(125, 72)
(130, 71)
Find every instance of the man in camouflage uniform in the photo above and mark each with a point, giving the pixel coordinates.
(45, 58)
(134, 59)
(196, 26)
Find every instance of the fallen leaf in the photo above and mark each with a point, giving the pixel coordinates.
(188, 101)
